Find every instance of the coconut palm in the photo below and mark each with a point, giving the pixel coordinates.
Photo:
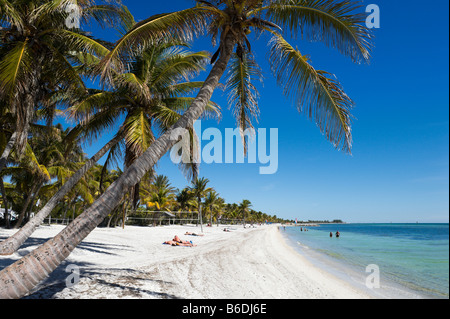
(34, 56)
(199, 190)
(151, 93)
(211, 203)
(147, 94)
(155, 101)
(244, 208)
(316, 93)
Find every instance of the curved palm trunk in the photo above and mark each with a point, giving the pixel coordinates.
(7, 151)
(13, 243)
(200, 214)
(25, 205)
(18, 279)
(5, 201)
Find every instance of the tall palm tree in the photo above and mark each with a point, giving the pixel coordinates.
(338, 24)
(199, 190)
(150, 94)
(34, 56)
(244, 208)
(186, 201)
(211, 203)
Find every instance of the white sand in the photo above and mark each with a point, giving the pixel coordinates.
(133, 263)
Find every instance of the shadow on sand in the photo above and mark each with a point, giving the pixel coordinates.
(123, 282)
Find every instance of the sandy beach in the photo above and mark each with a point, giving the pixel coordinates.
(133, 263)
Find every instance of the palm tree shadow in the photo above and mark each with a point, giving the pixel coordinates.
(123, 283)
(96, 284)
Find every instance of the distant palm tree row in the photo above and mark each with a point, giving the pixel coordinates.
(146, 89)
(195, 202)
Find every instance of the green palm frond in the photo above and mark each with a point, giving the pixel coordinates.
(181, 89)
(9, 15)
(171, 110)
(243, 95)
(14, 67)
(181, 25)
(138, 133)
(179, 66)
(333, 22)
(315, 93)
(77, 42)
(109, 16)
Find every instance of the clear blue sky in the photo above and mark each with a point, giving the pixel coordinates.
(400, 164)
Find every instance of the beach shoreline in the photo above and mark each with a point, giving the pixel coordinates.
(133, 263)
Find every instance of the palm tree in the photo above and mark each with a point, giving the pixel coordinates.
(244, 208)
(336, 23)
(150, 93)
(199, 190)
(34, 56)
(211, 203)
(186, 201)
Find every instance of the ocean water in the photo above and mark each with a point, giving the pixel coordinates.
(413, 259)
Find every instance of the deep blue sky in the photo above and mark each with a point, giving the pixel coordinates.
(400, 164)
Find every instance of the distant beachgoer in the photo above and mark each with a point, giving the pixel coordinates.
(338, 234)
(331, 234)
(193, 234)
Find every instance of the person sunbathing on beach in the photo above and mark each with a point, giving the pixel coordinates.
(193, 234)
(170, 242)
(178, 240)
(176, 243)
(183, 242)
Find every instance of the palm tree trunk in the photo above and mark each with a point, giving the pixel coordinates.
(200, 213)
(210, 216)
(33, 201)
(18, 279)
(25, 206)
(10, 245)
(7, 151)
(5, 201)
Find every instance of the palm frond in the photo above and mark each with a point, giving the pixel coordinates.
(333, 22)
(243, 95)
(314, 92)
(138, 133)
(14, 67)
(10, 15)
(180, 25)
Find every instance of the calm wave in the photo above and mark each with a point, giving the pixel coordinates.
(413, 256)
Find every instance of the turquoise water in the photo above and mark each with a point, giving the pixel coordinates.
(410, 256)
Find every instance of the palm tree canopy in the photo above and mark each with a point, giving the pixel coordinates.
(339, 24)
(35, 53)
(152, 93)
(199, 188)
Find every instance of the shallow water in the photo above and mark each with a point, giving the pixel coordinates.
(413, 259)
